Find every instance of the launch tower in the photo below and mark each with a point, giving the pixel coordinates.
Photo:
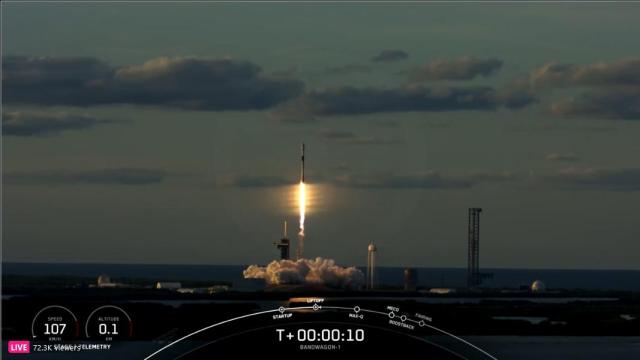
(473, 261)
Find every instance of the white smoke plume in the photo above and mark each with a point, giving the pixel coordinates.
(316, 271)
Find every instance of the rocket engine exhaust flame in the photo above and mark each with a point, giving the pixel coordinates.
(302, 200)
(302, 204)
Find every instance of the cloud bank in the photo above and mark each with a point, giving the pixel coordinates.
(423, 180)
(464, 68)
(187, 83)
(620, 72)
(616, 104)
(597, 179)
(25, 124)
(115, 176)
(612, 88)
(354, 101)
(351, 138)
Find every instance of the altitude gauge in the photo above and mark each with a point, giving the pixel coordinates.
(55, 323)
(108, 323)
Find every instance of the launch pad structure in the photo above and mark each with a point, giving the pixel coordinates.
(284, 244)
(473, 258)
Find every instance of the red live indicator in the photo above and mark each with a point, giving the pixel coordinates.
(19, 347)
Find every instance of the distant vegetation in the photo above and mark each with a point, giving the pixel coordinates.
(65, 281)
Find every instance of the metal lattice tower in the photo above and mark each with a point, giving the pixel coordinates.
(284, 244)
(473, 262)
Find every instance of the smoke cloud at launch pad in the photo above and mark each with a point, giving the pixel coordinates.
(318, 271)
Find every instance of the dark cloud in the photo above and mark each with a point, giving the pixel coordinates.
(347, 69)
(116, 176)
(66, 73)
(390, 56)
(617, 104)
(512, 98)
(53, 81)
(565, 157)
(352, 101)
(464, 68)
(621, 72)
(190, 83)
(597, 179)
(349, 137)
(255, 181)
(43, 124)
(422, 180)
(612, 88)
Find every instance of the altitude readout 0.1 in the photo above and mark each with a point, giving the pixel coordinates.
(320, 335)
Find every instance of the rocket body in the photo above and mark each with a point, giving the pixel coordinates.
(302, 168)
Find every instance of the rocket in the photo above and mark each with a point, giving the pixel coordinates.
(302, 166)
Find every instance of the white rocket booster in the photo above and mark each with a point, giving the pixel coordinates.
(302, 165)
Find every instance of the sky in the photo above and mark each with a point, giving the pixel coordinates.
(170, 132)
